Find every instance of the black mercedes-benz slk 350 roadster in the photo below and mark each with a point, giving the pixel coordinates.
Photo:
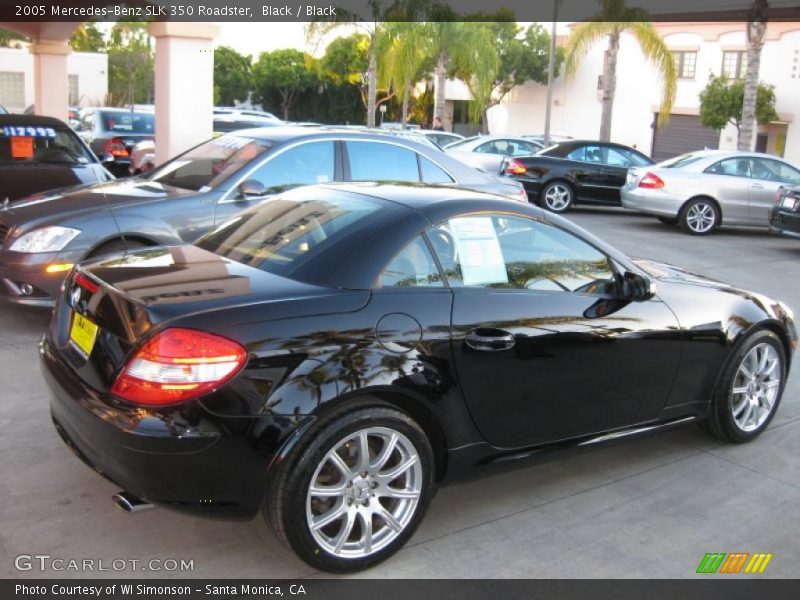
(333, 354)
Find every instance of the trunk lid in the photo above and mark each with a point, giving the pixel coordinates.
(110, 307)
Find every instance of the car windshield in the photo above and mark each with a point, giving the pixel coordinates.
(33, 144)
(283, 234)
(204, 167)
(124, 121)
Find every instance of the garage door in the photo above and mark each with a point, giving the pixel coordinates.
(682, 134)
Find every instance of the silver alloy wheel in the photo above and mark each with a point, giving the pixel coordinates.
(701, 217)
(364, 492)
(755, 387)
(557, 197)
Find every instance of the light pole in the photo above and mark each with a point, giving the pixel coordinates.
(551, 63)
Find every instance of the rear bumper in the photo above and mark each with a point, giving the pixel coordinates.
(653, 202)
(18, 270)
(785, 222)
(187, 460)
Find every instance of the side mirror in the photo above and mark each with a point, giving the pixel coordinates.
(251, 189)
(637, 287)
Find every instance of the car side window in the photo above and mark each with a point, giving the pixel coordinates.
(523, 149)
(578, 153)
(431, 173)
(733, 167)
(301, 165)
(386, 161)
(773, 170)
(487, 148)
(498, 251)
(615, 158)
(412, 267)
(635, 159)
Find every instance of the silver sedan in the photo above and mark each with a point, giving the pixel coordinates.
(703, 190)
(487, 152)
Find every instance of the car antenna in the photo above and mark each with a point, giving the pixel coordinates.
(114, 218)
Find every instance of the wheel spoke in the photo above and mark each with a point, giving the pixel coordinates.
(329, 517)
(739, 390)
(747, 413)
(389, 492)
(395, 472)
(389, 519)
(771, 367)
(737, 410)
(339, 463)
(327, 491)
(344, 532)
(771, 384)
(363, 451)
(366, 531)
(388, 448)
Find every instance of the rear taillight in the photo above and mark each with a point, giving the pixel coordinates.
(116, 148)
(82, 281)
(515, 167)
(177, 365)
(651, 181)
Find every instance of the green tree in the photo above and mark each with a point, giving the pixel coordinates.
(232, 76)
(479, 70)
(11, 39)
(405, 60)
(286, 72)
(87, 38)
(131, 63)
(756, 28)
(722, 100)
(614, 19)
(345, 63)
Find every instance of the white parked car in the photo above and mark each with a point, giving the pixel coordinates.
(487, 152)
(703, 190)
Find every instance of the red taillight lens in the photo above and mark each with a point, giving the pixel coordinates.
(116, 148)
(82, 281)
(177, 365)
(514, 167)
(651, 181)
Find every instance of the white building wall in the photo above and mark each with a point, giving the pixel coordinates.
(91, 69)
(576, 101)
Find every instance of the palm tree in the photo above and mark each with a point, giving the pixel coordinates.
(478, 69)
(614, 19)
(405, 58)
(756, 28)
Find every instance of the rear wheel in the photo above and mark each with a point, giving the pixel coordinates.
(356, 492)
(749, 389)
(557, 197)
(699, 216)
(116, 247)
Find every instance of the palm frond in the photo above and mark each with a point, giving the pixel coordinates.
(582, 39)
(656, 51)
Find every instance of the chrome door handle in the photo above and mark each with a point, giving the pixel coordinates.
(757, 186)
(489, 340)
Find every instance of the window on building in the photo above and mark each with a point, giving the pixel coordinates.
(734, 64)
(12, 91)
(685, 63)
(74, 90)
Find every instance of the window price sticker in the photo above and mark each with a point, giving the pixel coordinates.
(21, 147)
(28, 131)
(479, 251)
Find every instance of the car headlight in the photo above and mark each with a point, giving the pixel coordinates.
(46, 239)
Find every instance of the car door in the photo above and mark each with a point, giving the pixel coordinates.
(591, 182)
(728, 181)
(614, 171)
(767, 177)
(302, 164)
(543, 346)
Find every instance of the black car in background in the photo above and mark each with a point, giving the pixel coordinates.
(785, 216)
(42, 153)
(328, 357)
(575, 172)
(43, 236)
(113, 132)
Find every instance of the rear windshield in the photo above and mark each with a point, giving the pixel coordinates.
(128, 122)
(204, 167)
(680, 161)
(283, 234)
(31, 144)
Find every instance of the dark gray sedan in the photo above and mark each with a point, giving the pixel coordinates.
(43, 236)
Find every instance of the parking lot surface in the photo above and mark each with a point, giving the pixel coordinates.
(651, 507)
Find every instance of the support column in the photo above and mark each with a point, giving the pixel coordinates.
(184, 86)
(50, 83)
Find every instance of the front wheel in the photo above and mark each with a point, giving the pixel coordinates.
(557, 197)
(749, 389)
(356, 492)
(699, 217)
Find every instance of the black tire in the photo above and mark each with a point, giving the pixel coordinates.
(285, 500)
(699, 216)
(557, 197)
(115, 247)
(668, 220)
(721, 421)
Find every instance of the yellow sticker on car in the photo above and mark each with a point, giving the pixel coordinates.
(82, 334)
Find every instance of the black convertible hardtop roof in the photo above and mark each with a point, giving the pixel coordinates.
(32, 121)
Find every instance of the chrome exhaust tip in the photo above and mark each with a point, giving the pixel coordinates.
(130, 503)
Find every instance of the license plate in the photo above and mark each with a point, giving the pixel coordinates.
(82, 334)
(788, 203)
